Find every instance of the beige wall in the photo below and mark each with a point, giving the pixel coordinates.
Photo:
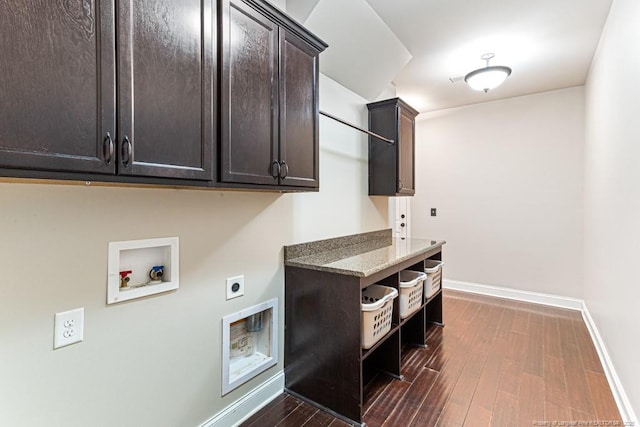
(506, 178)
(612, 188)
(155, 361)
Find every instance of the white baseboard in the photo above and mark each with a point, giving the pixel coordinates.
(622, 401)
(248, 404)
(515, 294)
(624, 405)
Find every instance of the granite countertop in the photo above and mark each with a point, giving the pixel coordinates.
(360, 255)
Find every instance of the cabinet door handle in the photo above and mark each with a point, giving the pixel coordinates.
(127, 151)
(275, 169)
(107, 149)
(284, 167)
(400, 186)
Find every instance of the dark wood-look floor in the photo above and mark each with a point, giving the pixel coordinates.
(495, 363)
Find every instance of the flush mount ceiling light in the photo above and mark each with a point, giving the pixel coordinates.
(488, 77)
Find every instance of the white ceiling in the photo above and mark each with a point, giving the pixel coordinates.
(358, 38)
(549, 44)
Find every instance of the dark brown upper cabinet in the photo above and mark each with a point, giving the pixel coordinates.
(269, 98)
(57, 85)
(165, 88)
(392, 166)
(60, 76)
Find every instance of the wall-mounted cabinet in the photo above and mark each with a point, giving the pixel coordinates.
(58, 108)
(128, 92)
(269, 118)
(166, 80)
(392, 166)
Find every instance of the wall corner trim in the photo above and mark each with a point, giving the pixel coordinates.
(622, 401)
(249, 404)
(621, 398)
(515, 294)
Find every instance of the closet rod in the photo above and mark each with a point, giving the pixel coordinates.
(375, 135)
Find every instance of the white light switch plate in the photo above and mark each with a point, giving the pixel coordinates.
(68, 327)
(239, 288)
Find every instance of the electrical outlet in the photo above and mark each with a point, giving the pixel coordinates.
(68, 327)
(235, 287)
(433, 211)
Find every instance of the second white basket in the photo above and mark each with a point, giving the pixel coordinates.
(432, 284)
(411, 288)
(377, 313)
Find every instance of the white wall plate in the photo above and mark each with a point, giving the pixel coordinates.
(68, 327)
(139, 257)
(238, 367)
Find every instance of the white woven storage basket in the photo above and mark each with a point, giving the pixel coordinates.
(411, 289)
(432, 284)
(377, 313)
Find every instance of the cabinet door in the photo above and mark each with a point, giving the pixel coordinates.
(57, 85)
(249, 98)
(405, 155)
(383, 157)
(165, 88)
(298, 112)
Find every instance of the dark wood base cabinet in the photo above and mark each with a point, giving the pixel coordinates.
(324, 360)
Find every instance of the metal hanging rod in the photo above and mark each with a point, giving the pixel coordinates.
(375, 135)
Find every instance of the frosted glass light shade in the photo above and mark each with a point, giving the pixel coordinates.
(487, 78)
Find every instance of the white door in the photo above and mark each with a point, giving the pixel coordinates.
(399, 221)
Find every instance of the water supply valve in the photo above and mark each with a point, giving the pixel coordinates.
(155, 274)
(124, 278)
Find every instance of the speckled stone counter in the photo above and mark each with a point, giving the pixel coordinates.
(360, 255)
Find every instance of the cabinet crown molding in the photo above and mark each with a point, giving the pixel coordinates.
(288, 23)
